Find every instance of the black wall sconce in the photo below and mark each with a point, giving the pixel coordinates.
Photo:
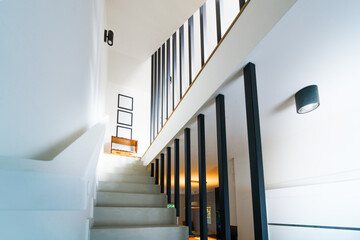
(109, 37)
(307, 99)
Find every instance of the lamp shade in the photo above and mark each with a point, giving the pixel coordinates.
(307, 99)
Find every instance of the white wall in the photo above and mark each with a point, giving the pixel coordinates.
(49, 75)
(51, 91)
(130, 77)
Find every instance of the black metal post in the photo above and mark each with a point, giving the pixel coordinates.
(202, 177)
(174, 78)
(177, 172)
(162, 182)
(203, 32)
(152, 169)
(158, 91)
(191, 46)
(155, 97)
(187, 179)
(156, 171)
(163, 83)
(168, 79)
(222, 168)
(255, 154)
(218, 8)
(168, 174)
(181, 56)
(241, 3)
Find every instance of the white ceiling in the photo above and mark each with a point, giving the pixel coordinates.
(141, 26)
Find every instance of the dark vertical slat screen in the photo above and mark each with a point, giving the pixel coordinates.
(167, 77)
(191, 46)
(203, 31)
(174, 78)
(176, 175)
(222, 168)
(187, 179)
(202, 177)
(255, 154)
(162, 173)
(168, 174)
(218, 14)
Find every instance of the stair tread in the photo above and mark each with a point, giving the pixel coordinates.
(139, 226)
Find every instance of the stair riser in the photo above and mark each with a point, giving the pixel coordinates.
(130, 200)
(126, 178)
(126, 171)
(112, 216)
(155, 233)
(128, 188)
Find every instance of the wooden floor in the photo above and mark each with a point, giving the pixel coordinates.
(197, 238)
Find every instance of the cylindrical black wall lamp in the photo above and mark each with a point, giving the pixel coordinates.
(307, 99)
(109, 37)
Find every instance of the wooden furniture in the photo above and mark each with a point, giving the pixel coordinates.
(124, 147)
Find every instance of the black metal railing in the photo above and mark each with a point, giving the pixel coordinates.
(168, 75)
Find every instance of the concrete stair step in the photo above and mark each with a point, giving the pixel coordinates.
(114, 177)
(113, 199)
(133, 171)
(128, 187)
(130, 216)
(163, 232)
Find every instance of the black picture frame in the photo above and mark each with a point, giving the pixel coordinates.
(123, 104)
(122, 136)
(122, 121)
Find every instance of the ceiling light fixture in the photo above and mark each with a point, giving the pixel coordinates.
(307, 99)
(109, 37)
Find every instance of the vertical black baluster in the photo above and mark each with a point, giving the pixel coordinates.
(187, 179)
(218, 8)
(167, 77)
(203, 31)
(158, 91)
(222, 168)
(162, 173)
(163, 84)
(241, 3)
(174, 78)
(191, 46)
(152, 170)
(152, 97)
(155, 96)
(156, 171)
(181, 56)
(255, 154)
(168, 174)
(202, 177)
(176, 174)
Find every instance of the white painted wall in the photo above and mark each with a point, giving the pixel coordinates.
(51, 92)
(130, 77)
(49, 75)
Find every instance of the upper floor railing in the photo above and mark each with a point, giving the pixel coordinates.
(177, 63)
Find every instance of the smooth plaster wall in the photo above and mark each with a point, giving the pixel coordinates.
(131, 77)
(49, 75)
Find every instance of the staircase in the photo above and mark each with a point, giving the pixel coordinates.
(130, 206)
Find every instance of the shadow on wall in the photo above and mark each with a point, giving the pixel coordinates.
(58, 147)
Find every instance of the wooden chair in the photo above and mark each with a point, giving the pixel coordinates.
(124, 147)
